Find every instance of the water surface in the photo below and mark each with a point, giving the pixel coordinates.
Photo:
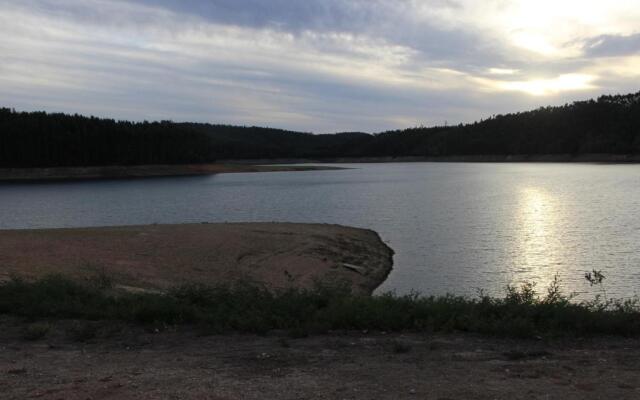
(455, 227)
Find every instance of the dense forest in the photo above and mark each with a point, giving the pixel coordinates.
(610, 124)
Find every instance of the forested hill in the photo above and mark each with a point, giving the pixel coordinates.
(608, 125)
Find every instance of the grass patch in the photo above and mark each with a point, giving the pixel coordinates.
(520, 313)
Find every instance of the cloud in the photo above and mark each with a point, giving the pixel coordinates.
(613, 45)
(312, 65)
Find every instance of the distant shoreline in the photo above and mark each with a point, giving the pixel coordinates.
(139, 171)
(276, 165)
(551, 158)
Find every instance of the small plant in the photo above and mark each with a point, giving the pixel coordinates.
(525, 294)
(554, 293)
(596, 278)
(36, 331)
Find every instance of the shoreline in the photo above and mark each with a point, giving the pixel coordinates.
(538, 158)
(140, 171)
(159, 257)
(9, 175)
(276, 165)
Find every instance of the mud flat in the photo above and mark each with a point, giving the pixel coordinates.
(157, 257)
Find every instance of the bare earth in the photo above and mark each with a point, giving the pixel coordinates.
(156, 257)
(130, 363)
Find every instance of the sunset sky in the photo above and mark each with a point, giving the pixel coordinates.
(314, 65)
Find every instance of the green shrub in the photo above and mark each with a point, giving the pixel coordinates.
(246, 308)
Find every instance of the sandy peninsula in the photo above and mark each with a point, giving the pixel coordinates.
(157, 257)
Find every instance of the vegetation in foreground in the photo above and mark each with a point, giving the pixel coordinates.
(520, 313)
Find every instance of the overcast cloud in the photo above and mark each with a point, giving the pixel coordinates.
(314, 65)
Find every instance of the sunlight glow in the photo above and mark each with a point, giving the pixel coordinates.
(538, 247)
(542, 87)
(549, 27)
(502, 71)
(535, 43)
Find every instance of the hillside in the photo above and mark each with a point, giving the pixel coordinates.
(608, 125)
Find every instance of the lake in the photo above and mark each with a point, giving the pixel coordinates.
(455, 227)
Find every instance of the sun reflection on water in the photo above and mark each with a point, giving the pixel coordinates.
(538, 245)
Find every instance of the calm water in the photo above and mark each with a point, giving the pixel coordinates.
(454, 227)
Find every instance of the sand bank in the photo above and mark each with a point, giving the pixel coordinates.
(156, 257)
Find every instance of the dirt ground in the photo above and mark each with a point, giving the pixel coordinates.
(156, 257)
(123, 362)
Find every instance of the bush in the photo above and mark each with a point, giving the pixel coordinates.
(245, 308)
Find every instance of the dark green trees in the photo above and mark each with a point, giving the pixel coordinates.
(610, 124)
(52, 140)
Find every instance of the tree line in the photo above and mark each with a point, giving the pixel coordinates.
(609, 124)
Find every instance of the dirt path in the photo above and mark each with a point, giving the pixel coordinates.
(163, 256)
(121, 362)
